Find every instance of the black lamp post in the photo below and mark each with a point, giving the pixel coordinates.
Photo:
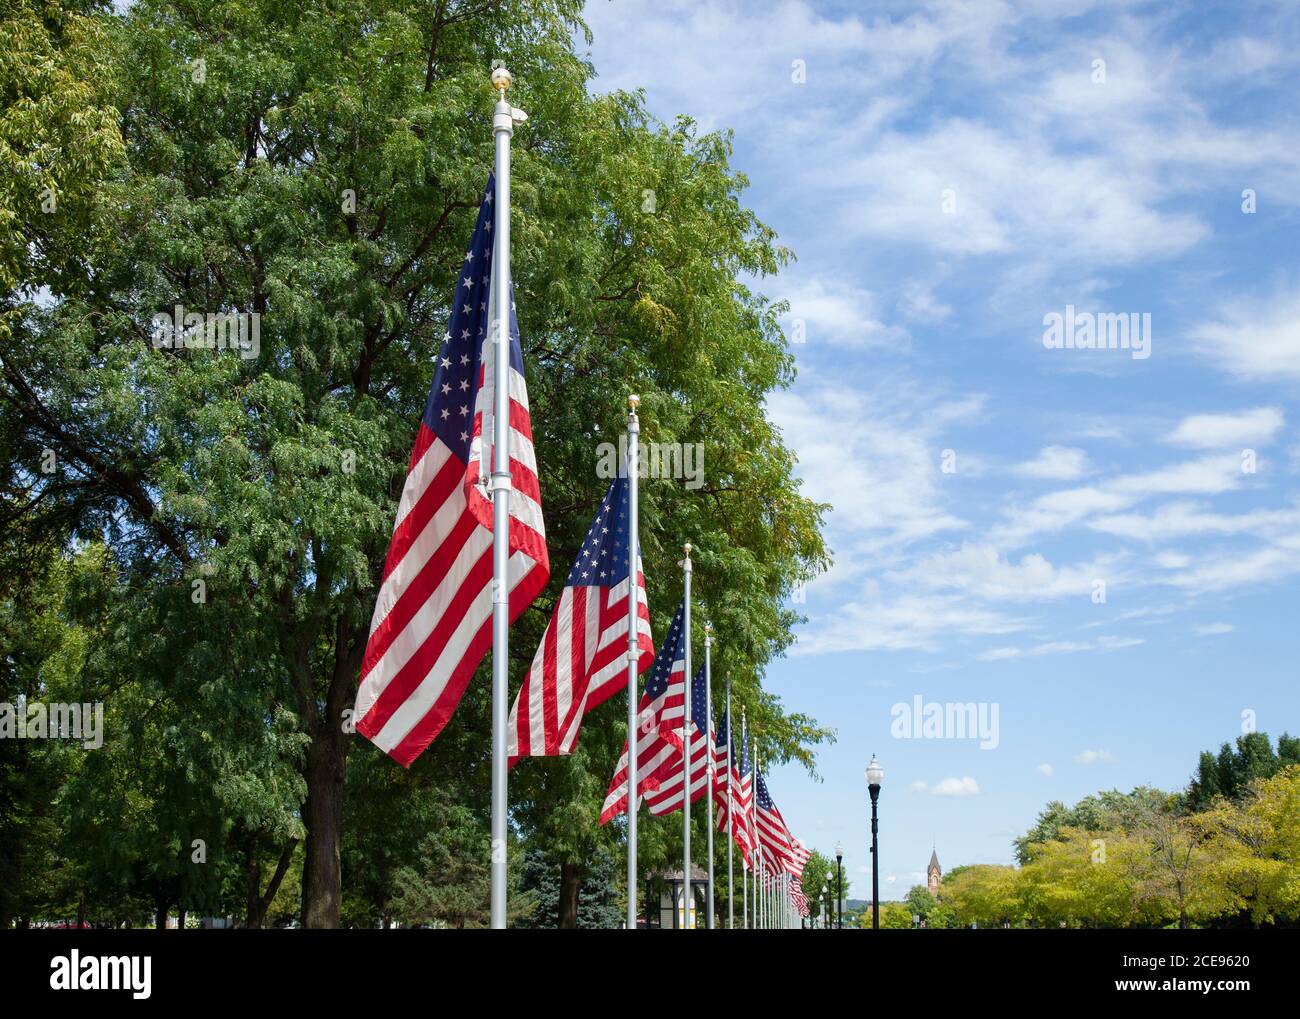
(839, 887)
(875, 774)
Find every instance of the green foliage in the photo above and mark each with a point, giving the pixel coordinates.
(601, 905)
(1108, 809)
(1146, 862)
(59, 143)
(1232, 771)
(449, 884)
(920, 901)
(819, 872)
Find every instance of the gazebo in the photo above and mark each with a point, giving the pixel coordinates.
(669, 884)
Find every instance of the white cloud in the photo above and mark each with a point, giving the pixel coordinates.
(1255, 339)
(1094, 757)
(1061, 647)
(883, 481)
(1219, 431)
(880, 622)
(1056, 463)
(982, 570)
(1057, 511)
(917, 303)
(1235, 568)
(1208, 474)
(1046, 770)
(949, 787)
(1184, 519)
(1214, 629)
(842, 315)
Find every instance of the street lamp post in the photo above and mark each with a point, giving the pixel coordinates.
(828, 911)
(875, 775)
(839, 886)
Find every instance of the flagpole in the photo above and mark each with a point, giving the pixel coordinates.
(633, 644)
(503, 124)
(744, 866)
(757, 849)
(731, 822)
(688, 896)
(708, 749)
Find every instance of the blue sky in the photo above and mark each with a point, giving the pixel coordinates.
(949, 174)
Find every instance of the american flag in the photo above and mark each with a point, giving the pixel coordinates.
(433, 616)
(582, 659)
(773, 836)
(737, 783)
(797, 896)
(659, 722)
(668, 796)
(798, 857)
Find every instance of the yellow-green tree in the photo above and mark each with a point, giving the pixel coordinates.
(985, 895)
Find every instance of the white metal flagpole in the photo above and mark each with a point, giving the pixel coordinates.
(708, 750)
(633, 645)
(688, 894)
(731, 823)
(504, 118)
(745, 867)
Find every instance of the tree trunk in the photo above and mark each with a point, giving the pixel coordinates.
(323, 818)
(160, 915)
(571, 875)
(180, 918)
(325, 767)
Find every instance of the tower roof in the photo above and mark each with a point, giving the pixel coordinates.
(934, 861)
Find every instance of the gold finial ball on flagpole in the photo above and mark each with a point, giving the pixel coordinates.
(688, 548)
(501, 79)
(633, 401)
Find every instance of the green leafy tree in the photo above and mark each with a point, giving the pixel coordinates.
(59, 143)
(819, 872)
(599, 903)
(1231, 772)
(985, 895)
(1110, 809)
(449, 884)
(920, 901)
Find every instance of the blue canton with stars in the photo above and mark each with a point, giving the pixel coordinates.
(602, 560)
(743, 758)
(672, 650)
(699, 706)
(764, 800)
(449, 412)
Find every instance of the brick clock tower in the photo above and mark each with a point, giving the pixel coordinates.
(933, 874)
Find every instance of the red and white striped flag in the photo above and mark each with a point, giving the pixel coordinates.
(798, 858)
(773, 835)
(797, 896)
(659, 721)
(433, 616)
(731, 790)
(582, 658)
(668, 796)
